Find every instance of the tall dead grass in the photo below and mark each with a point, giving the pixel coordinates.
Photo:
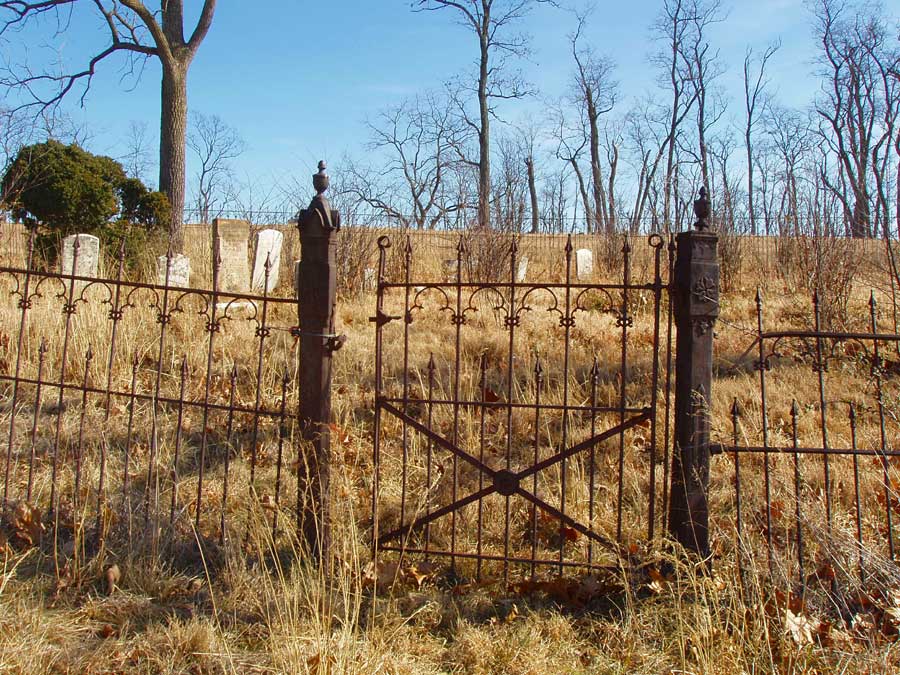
(256, 604)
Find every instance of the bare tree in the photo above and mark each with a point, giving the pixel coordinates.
(646, 134)
(554, 201)
(423, 139)
(789, 134)
(135, 29)
(755, 100)
(510, 184)
(137, 160)
(570, 145)
(533, 193)
(854, 54)
(704, 68)
(492, 22)
(214, 143)
(596, 93)
(254, 200)
(673, 28)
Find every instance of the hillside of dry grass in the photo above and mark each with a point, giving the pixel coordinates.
(253, 604)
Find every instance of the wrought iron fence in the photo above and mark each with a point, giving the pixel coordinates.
(815, 482)
(146, 410)
(519, 422)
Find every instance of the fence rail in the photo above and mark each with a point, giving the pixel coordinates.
(141, 408)
(802, 492)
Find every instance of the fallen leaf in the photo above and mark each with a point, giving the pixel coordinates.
(113, 575)
(381, 575)
(421, 571)
(314, 663)
(268, 503)
(26, 524)
(490, 396)
(800, 627)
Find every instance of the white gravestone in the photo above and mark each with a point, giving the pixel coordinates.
(179, 271)
(584, 263)
(522, 270)
(451, 267)
(268, 246)
(230, 239)
(84, 263)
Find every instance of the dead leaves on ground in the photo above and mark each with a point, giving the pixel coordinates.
(385, 575)
(871, 617)
(22, 528)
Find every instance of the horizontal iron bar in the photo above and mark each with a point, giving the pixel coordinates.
(497, 558)
(831, 335)
(502, 404)
(525, 286)
(222, 296)
(143, 397)
(721, 449)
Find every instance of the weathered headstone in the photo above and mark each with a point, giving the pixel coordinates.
(451, 267)
(84, 263)
(522, 270)
(584, 263)
(369, 279)
(230, 239)
(268, 246)
(179, 271)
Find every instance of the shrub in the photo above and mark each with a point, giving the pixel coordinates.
(58, 190)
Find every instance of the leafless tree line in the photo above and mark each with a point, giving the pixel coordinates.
(832, 167)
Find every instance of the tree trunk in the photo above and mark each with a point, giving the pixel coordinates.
(750, 204)
(484, 141)
(588, 216)
(172, 138)
(597, 170)
(532, 190)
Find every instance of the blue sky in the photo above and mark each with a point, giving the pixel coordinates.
(299, 78)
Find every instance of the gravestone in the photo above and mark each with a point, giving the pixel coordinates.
(179, 271)
(451, 267)
(85, 263)
(230, 239)
(584, 264)
(268, 245)
(522, 270)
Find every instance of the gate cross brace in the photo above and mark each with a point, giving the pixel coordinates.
(506, 482)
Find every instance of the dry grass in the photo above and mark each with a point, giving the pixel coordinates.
(254, 605)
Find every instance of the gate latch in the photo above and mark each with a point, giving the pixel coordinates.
(334, 342)
(380, 318)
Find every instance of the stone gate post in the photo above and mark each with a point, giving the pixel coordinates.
(316, 287)
(696, 305)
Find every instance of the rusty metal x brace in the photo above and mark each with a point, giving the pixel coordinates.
(506, 482)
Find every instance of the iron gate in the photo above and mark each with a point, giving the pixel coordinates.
(520, 423)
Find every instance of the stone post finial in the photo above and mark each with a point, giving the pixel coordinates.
(701, 210)
(320, 179)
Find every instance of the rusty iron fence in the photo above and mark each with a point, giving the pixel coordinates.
(149, 410)
(815, 483)
(530, 416)
(517, 421)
